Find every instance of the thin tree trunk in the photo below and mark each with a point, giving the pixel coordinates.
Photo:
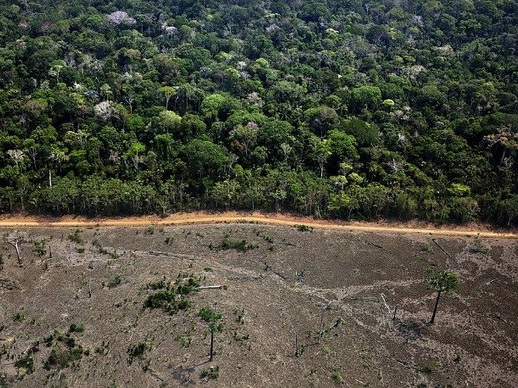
(17, 249)
(435, 308)
(211, 344)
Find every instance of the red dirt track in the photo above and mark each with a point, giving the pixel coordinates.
(256, 217)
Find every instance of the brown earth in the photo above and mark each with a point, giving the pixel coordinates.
(415, 227)
(332, 288)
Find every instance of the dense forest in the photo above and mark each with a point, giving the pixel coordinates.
(352, 109)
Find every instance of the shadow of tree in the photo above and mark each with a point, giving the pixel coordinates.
(183, 374)
(410, 329)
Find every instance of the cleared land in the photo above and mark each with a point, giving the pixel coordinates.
(300, 306)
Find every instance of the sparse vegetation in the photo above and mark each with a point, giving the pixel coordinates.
(39, 247)
(172, 297)
(478, 247)
(18, 317)
(337, 376)
(113, 281)
(427, 368)
(76, 237)
(26, 362)
(66, 352)
(426, 247)
(136, 351)
(76, 328)
(238, 245)
(211, 373)
(309, 283)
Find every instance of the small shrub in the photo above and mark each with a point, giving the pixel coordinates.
(479, 247)
(136, 351)
(76, 237)
(62, 358)
(304, 228)
(264, 236)
(238, 245)
(18, 317)
(427, 368)
(425, 247)
(39, 248)
(211, 373)
(114, 281)
(79, 328)
(171, 298)
(239, 337)
(169, 240)
(27, 363)
(185, 341)
(337, 376)
(156, 285)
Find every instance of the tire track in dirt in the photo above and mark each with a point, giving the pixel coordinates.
(259, 218)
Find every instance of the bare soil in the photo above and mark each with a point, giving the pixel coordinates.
(301, 305)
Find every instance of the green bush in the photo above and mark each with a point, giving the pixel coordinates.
(211, 373)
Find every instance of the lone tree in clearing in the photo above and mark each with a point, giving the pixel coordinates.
(213, 319)
(441, 281)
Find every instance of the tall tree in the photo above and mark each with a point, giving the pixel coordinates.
(441, 282)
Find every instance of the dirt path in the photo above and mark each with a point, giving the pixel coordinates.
(270, 219)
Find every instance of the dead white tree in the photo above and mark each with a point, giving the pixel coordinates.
(15, 239)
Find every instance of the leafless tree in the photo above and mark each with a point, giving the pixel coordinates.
(15, 239)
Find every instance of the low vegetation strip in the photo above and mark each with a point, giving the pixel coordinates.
(271, 219)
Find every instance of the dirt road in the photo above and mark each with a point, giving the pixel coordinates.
(236, 217)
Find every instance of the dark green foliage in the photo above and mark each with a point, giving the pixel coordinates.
(65, 352)
(142, 116)
(76, 237)
(427, 368)
(441, 282)
(238, 245)
(63, 358)
(209, 315)
(76, 328)
(18, 317)
(211, 373)
(113, 281)
(136, 351)
(26, 362)
(304, 228)
(171, 297)
(39, 248)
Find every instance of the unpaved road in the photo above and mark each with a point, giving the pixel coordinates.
(236, 217)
